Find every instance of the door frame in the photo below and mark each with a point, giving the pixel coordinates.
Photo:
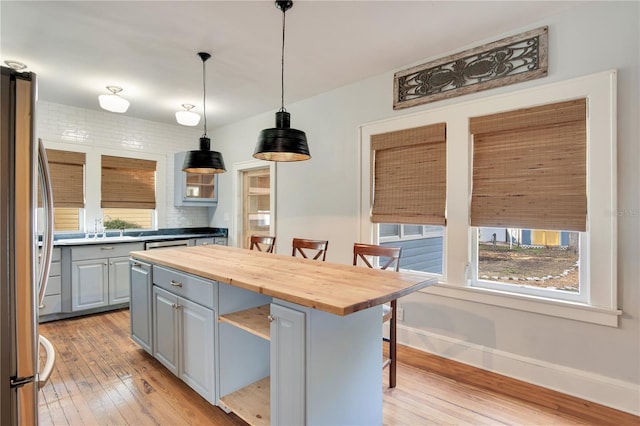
(235, 236)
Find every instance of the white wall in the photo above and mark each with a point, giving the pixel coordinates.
(96, 133)
(319, 199)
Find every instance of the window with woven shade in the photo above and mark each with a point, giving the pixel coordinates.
(529, 168)
(67, 177)
(409, 176)
(66, 169)
(409, 193)
(128, 183)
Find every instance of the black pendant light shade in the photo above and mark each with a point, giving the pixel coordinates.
(203, 160)
(282, 143)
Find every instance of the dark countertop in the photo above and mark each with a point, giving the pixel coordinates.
(113, 237)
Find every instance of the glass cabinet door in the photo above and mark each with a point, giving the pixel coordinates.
(193, 189)
(256, 196)
(200, 186)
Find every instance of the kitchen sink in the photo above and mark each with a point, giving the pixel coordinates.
(99, 240)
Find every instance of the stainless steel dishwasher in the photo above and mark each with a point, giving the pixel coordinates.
(152, 245)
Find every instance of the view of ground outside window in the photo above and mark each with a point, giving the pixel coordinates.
(521, 257)
(538, 258)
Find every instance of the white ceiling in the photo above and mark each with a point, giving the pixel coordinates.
(149, 47)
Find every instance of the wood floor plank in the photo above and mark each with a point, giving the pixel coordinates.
(102, 377)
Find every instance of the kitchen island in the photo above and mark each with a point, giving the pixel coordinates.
(276, 339)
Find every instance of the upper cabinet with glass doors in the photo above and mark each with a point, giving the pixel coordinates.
(192, 189)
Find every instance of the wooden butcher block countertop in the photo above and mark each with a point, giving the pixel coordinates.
(330, 287)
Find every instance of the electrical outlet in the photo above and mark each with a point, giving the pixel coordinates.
(400, 314)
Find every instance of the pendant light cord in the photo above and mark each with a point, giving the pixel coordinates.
(204, 97)
(284, 14)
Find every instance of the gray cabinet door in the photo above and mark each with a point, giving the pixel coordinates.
(196, 348)
(165, 328)
(288, 366)
(89, 284)
(140, 305)
(118, 280)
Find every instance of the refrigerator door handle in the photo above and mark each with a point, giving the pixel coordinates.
(16, 383)
(47, 237)
(44, 375)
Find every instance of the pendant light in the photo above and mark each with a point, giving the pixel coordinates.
(282, 143)
(203, 160)
(113, 102)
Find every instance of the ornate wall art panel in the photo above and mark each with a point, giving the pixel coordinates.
(511, 60)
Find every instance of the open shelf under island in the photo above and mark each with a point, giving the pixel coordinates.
(275, 339)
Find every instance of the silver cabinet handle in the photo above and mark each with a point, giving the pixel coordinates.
(176, 283)
(106, 248)
(271, 318)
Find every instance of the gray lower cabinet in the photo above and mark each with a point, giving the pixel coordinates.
(140, 304)
(89, 284)
(208, 241)
(52, 302)
(184, 321)
(100, 275)
(288, 367)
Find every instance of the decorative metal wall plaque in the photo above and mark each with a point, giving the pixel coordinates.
(511, 60)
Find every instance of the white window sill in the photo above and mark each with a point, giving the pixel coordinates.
(520, 302)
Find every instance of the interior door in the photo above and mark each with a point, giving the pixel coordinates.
(256, 203)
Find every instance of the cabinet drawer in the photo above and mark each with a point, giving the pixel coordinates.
(52, 305)
(184, 285)
(53, 286)
(100, 251)
(54, 270)
(55, 255)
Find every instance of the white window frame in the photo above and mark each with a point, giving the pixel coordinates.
(600, 245)
(582, 296)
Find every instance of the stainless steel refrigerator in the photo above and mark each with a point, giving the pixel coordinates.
(22, 277)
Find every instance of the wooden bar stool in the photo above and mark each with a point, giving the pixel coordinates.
(263, 243)
(386, 257)
(306, 248)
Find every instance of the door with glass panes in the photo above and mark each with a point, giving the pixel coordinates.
(256, 203)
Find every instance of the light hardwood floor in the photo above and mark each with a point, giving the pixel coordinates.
(102, 377)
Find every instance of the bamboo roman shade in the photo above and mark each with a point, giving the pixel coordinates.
(67, 178)
(529, 168)
(409, 168)
(128, 183)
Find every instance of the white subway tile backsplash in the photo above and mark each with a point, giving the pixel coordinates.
(102, 131)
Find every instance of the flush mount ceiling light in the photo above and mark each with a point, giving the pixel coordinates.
(15, 65)
(113, 102)
(203, 160)
(282, 143)
(187, 117)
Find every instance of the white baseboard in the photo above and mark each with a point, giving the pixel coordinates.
(614, 393)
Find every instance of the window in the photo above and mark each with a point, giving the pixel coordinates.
(67, 182)
(128, 192)
(529, 186)
(422, 245)
(409, 187)
(583, 221)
